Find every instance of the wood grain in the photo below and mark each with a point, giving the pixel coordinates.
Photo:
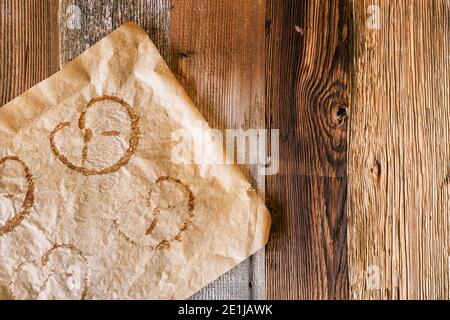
(307, 99)
(218, 52)
(399, 152)
(99, 18)
(28, 45)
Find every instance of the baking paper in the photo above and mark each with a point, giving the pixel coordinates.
(96, 199)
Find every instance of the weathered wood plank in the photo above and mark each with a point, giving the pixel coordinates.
(83, 23)
(399, 156)
(218, 49)
(307, 98)
(28, 45)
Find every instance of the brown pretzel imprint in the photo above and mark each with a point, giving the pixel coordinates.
(165, 244)
(28, 202)
(132, 143)
(149, 233)
(46, 272)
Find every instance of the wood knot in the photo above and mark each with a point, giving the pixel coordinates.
(375, 170)
(339, 115)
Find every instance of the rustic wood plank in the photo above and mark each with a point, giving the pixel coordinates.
(307, 99)
(83, 23)
(28, 45)
(399, 151)
(218, 49)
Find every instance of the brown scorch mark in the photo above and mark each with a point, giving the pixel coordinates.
(44, 261)
(87, 138)
(111, 133)
(133, 141)
(28, 202)
(123, 234)
(165, 244)
(74, 250)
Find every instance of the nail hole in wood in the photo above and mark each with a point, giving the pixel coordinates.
(185, 54)
(299, 30)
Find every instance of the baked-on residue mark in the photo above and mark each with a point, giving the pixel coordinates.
(87, 138)
(44, 261)
(165, 244)
(123, 234)
(133, 141)
(46, 256)
(110, 133)
(28, 202)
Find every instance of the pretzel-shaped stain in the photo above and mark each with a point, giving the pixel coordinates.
(43, 271)
(165, 243)
(172, 203)
(28, 202)
(88, 134)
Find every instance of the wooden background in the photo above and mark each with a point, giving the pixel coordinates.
(361, 202)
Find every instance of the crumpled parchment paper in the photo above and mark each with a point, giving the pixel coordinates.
(92, 203)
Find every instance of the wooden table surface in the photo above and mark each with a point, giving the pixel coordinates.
(360, 93)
